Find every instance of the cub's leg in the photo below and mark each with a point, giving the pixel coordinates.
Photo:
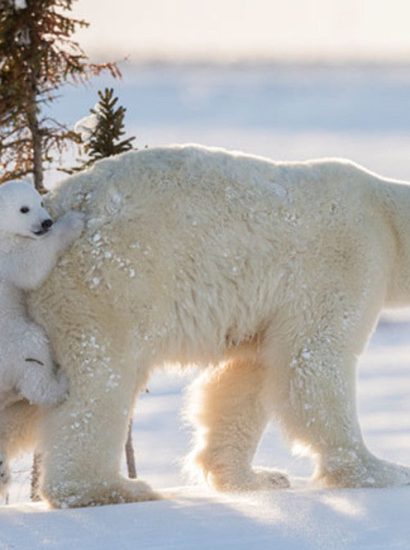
(231, 406)
(18, 429)
(5, 473)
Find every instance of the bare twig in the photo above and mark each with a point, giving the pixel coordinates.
(129, 454)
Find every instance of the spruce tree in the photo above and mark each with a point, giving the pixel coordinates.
(106, 130)
(37, 56)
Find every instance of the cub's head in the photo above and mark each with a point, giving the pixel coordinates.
(21, 211)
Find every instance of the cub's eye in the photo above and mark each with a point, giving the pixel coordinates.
(24, 209)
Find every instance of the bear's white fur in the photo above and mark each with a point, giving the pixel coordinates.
(272, 275)
(29, 249)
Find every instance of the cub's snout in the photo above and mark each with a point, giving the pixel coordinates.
(46, 224)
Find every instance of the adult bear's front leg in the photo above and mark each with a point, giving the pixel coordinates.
(82, 440)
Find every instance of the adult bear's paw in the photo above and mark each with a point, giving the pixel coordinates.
(367, 471)
(81, 494)
(259, 479)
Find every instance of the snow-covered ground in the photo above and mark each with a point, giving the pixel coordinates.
(287, 113)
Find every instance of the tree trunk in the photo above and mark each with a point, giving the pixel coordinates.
(38, 173)
(129, 454)
(32, 112)
(37, 144)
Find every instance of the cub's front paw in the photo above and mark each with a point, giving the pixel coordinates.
(53, 392)
(59, 391)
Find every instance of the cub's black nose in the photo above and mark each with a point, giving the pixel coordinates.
(46, 224)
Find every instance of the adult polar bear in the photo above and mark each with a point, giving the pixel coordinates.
(272, 273)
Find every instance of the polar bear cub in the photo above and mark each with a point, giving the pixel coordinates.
(30, 244)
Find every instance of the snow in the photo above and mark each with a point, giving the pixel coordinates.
(86, 126)
(19, 4)
(284, 112)
(196, 519)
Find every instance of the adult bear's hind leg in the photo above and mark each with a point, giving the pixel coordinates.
(230, 407)
(315, 401)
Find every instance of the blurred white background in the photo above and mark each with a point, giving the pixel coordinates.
(232, 29)
(288, 79)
